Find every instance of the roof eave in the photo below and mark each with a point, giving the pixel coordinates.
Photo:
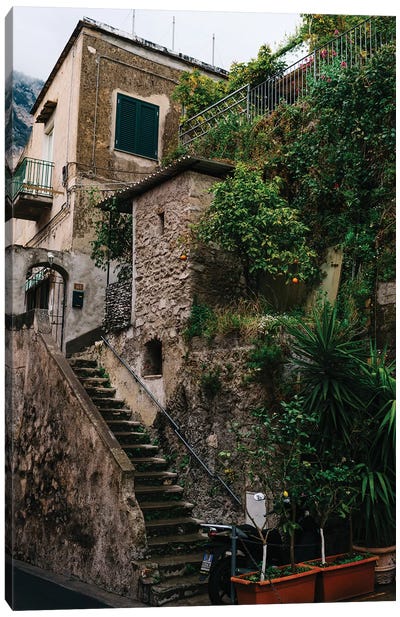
(124, 197)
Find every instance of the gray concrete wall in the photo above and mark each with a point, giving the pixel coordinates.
(71, 505)
(76, 268)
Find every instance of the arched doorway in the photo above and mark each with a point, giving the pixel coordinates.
(45, 289)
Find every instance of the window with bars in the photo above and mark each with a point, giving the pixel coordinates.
(136, 129)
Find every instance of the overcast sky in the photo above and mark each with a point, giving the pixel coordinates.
(41, 29)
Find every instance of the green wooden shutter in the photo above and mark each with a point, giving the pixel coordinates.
(147, 130)
(126, 123)
(136, 128)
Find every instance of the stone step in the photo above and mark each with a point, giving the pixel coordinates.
(155, 476)
(93, 382)
(124, 423)
(144, 462)
(87, 372)
(166, 505)
(176, 589)
(125, 411)
(166, 522)
(139, 447)
(178, 539)
(82, 362)
(131, 434)
(172, 565)
(100, 392)
(169, 525)
(109, 403)
(158, 491)
(174, 538)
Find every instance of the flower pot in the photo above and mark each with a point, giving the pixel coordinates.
(294, 588)
(385, 569)
(343, 581)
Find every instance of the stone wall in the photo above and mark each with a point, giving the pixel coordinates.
(213, 394)
(169, 272)
(71, 505)
(386, 316)
(118, 306)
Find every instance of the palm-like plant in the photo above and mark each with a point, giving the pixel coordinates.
(352, 391)
(328, 354)
(376, 525)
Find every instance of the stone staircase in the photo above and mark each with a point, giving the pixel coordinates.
(170, 571)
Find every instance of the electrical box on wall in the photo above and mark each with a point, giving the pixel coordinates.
(77, 295)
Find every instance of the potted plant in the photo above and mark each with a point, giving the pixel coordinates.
(273, 448)
(333, 489)
(352, 395)
(375, 524)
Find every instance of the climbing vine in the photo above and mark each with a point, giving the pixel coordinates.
(112, 246)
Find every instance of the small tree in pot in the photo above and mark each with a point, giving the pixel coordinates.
(273, 448)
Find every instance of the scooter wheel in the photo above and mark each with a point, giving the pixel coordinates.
(219, 582)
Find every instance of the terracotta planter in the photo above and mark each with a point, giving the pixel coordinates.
(295, 588)
(385, 569)
(346, 580)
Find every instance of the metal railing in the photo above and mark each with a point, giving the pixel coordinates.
(201, 123)
(32, 176)
(352, 48)
(173, 424)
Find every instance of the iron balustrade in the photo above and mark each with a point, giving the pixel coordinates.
(201, 123)
(352, 48)
(173, 424)
(32, 176)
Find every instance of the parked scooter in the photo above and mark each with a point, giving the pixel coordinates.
(234, 550)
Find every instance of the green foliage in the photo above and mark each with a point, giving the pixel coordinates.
(272, 572)
(250, 219)
(377, 430)
(352, 391)
(113, 242)
(334, 153)
(318, 29)
(210, 381)
(201, 321)
(248, 318)
(196, 92)
(271, 451)
(328, 356)
(257, 70)
(265, 359)
(232, 139)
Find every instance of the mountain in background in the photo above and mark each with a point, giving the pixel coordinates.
(21, 93)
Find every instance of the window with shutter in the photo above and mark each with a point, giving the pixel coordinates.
(136, 129)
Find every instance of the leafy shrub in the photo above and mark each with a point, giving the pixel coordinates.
(210, 382)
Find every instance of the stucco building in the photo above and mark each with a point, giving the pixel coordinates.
(105, 118)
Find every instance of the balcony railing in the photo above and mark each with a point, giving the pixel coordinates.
(352, 48)
(32, 177)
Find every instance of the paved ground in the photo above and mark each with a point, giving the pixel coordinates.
(33, 589)
(30, 588)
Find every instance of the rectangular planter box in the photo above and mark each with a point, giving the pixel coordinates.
(345, 581)
(296, 588)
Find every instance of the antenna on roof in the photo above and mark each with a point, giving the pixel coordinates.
(173, 33)
(213, 49)
(133, 21)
